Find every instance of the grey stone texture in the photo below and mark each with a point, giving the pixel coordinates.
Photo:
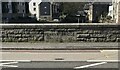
(82, 33)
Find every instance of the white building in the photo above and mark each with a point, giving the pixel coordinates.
(111, 11)
(0, 13)
(43, 10)
(34, 8)
(116, 9)
(118, 12)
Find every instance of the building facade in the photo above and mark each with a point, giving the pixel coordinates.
(43, 10)
(12, 10)
(50, 10)
(118, 13)
(116, 9)
(34, 8)
(0, 12)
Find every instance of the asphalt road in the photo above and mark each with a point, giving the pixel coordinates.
(61, 65)
(59, 69)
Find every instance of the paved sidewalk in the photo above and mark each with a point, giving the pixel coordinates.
(66, 56)
(60, 45)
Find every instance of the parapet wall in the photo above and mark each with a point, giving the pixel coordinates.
(61, 33)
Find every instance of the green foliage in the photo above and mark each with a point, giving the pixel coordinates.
(72, 8)
(69, 10)
(109, 17)
(104, 19)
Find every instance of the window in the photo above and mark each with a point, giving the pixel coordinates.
(18, 10)
(45, 12)
(45, 17)
(35, 15)
(34, 9)
(23, 11)
(34, 4)
(23, 4)
(45, 7)
(6, 6)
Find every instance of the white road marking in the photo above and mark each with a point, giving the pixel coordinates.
(90, 65)
(6, 64)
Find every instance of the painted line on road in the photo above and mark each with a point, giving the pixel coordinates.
(8, 64)
(90, 65)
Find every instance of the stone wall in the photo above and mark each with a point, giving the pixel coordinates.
(82, 33)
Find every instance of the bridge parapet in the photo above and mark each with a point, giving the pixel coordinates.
(61, 33)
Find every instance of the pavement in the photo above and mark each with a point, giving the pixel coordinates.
(60, 45)
(69, 55)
